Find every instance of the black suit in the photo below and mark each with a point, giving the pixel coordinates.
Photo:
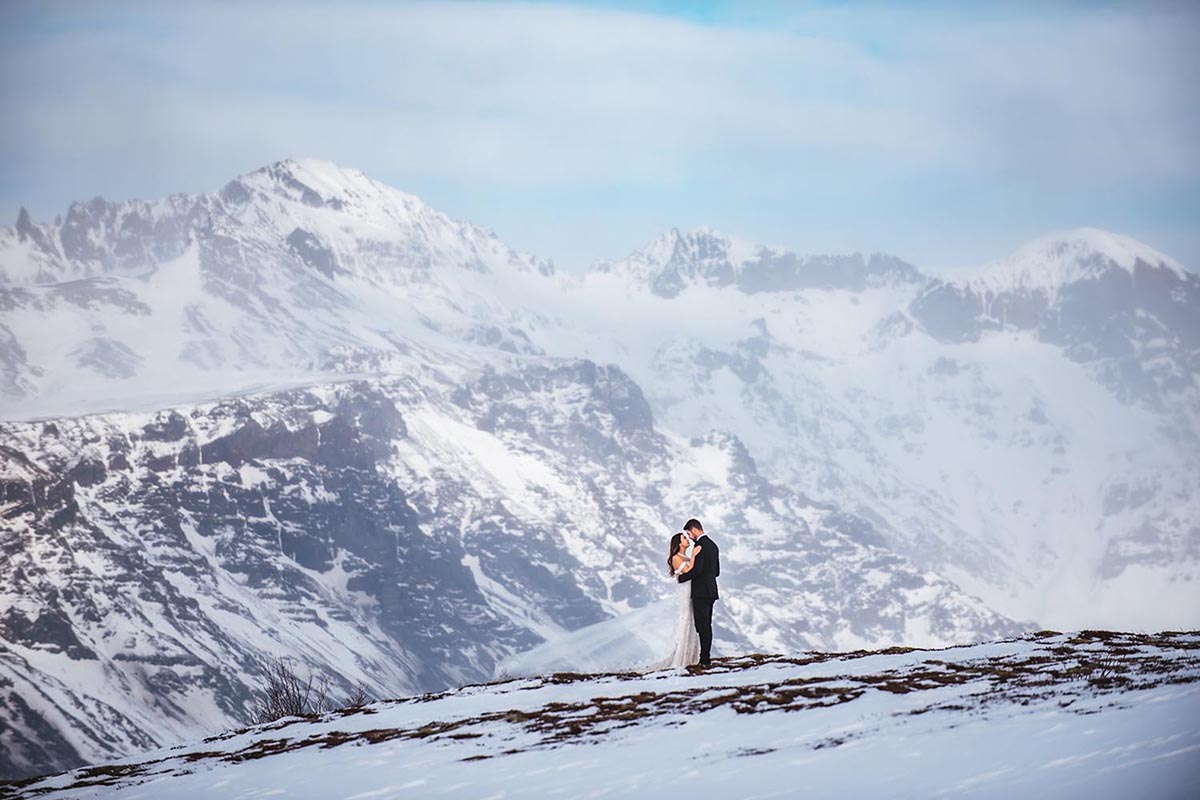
(703, 576)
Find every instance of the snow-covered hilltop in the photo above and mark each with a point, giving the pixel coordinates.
(307, 413)
(1057, 715)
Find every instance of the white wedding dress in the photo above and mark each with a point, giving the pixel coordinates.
(661, 635)
(685, 642)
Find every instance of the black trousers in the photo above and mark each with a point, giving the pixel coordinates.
(702, 608)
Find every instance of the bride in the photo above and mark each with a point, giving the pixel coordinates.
(661, 635)
(685, 648)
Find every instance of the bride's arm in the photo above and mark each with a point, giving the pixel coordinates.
(684, 565)
(684, 574)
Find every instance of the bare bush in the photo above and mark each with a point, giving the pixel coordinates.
(358, 698)
(288, 695)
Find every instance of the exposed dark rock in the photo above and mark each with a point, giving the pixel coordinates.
(169, 427)
(50, 631)
(313, 252)
(88, 472)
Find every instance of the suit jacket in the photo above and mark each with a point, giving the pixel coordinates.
(704, 572)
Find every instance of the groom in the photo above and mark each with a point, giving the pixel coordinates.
(703, 576)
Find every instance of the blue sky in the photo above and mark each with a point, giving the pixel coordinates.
(945, 133)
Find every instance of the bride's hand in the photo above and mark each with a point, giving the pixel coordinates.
(695, 552)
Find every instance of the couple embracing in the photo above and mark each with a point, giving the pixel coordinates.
(695, 562)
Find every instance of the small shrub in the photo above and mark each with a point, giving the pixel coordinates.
(288, 695)
(358, 698)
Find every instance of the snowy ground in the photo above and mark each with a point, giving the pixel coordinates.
(1091, 714)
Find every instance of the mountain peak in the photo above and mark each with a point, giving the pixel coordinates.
(317, 183)
(320, 173)
(677, 258)
(24, 223)
(702, 243)
(321, 207)
(704, 256)
(1063, 257)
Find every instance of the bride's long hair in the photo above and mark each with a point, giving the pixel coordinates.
(674, 547)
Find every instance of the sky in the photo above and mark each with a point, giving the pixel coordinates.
(947, 134)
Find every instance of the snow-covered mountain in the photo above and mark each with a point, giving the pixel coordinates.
(1105, 299)
(1046, 460)
(1056, 715)
(307, 414)
(401, 533)
(265, 280)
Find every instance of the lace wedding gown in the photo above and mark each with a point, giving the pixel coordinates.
(685, 642)
(660, 636)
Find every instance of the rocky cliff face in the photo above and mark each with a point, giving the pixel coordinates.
(155, 562)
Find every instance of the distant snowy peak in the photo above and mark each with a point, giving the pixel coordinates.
(704, 257)
(699, 246)
(677, 259)
(317, 182)
(327, 213)
(1062, 258)
(313, 209)
(339, 191)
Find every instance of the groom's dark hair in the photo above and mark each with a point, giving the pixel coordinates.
(693, 525)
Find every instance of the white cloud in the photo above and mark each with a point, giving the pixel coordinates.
(538, 95)
(551, 93)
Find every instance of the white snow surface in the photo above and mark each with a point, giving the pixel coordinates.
(1027, 718)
